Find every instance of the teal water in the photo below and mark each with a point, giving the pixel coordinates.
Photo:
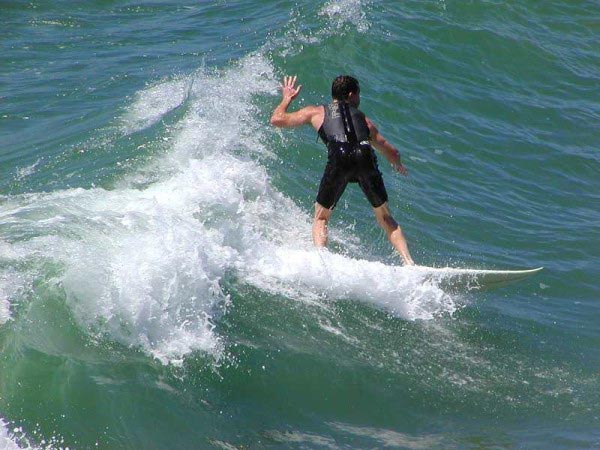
(158, 285)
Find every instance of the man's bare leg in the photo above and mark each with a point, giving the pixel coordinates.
(393, 232)
(319, 228)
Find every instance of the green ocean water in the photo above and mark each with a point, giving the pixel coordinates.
(158, 285)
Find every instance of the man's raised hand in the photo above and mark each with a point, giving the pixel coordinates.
(289, 90)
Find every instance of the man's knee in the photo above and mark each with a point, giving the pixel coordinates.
(387, 222)
(322, 213)
(385, 219)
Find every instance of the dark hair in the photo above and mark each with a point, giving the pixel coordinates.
(342, 86)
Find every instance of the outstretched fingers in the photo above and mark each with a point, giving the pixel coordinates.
(289, 88)
(289, 81)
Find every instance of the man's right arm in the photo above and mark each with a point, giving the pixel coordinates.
(281, 117)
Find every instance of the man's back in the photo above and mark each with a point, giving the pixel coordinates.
(344, 123)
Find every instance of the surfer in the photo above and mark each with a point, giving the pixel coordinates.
(350, 137)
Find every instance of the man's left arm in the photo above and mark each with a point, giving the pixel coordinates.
(390, 152)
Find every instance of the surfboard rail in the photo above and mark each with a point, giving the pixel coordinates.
(451, 278)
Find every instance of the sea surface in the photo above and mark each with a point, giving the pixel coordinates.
(158, 284)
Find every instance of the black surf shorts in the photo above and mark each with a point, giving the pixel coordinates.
(351, 164)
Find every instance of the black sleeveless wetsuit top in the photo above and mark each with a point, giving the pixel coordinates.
(351, 158)
(343, 123)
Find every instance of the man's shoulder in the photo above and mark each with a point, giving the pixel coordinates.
(314, 110)
(316, 115)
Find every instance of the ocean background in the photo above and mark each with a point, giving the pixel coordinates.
(158, 284)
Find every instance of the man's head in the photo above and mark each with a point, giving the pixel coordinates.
(346, 88)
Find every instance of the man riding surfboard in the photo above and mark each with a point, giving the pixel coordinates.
(350, 137)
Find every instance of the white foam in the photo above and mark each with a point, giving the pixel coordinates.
(339, 15)
(390, 438)
(342, 12)
(5, 289)
(16, 438)
(152, 103)
(145, 266)
(13, 439)
(299, 438)
(399, 290)
(24, 172)
(13, 284)
(4, 309)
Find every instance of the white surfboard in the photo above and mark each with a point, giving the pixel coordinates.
(473, 279)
